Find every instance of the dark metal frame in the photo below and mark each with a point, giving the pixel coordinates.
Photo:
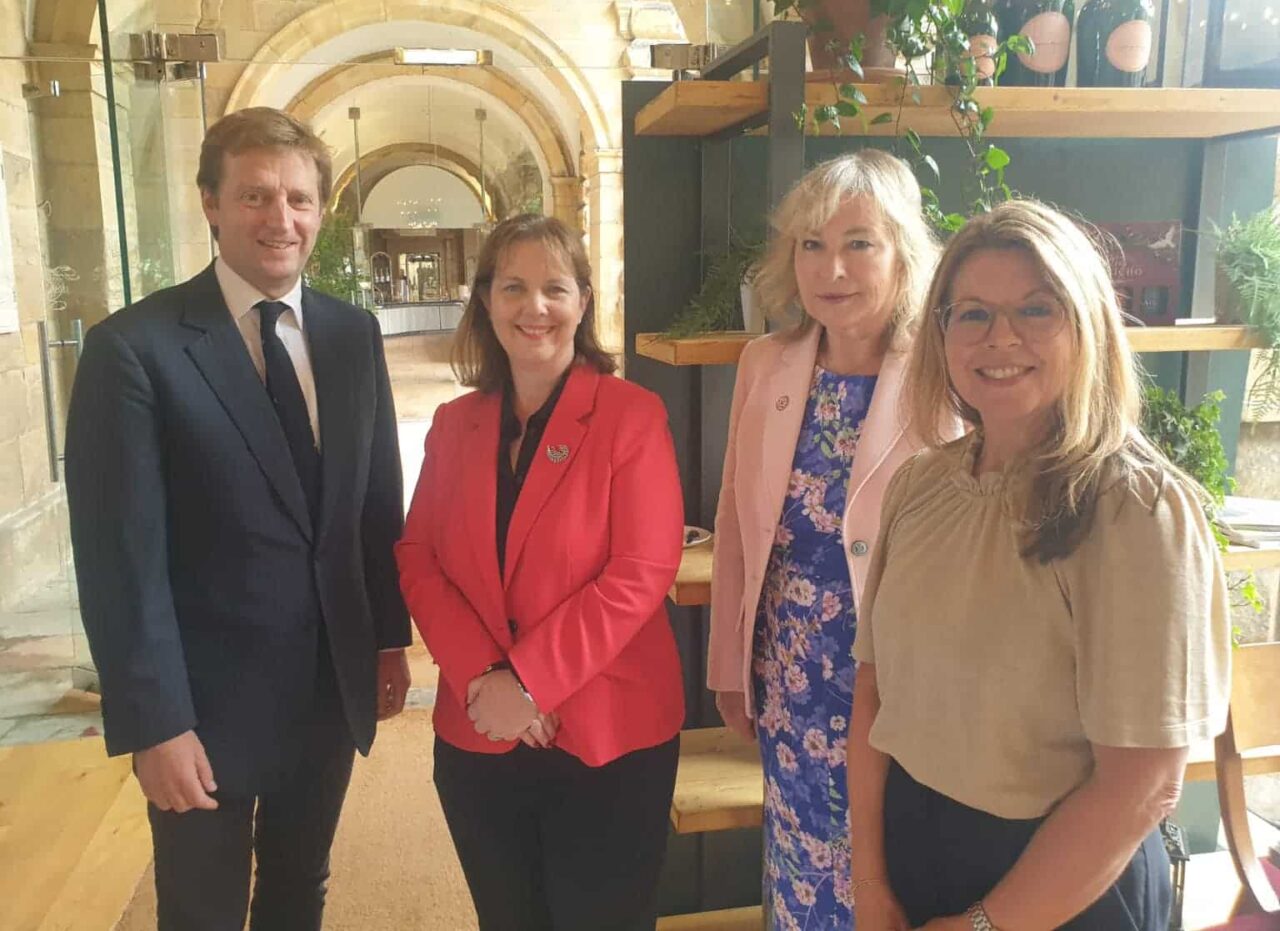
(1215, 75)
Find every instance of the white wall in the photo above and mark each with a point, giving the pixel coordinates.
(420, 194)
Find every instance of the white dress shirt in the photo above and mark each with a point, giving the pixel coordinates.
(241, 297)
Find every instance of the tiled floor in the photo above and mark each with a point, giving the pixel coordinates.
(44, 663)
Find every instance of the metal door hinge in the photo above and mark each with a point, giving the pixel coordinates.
(172, 56)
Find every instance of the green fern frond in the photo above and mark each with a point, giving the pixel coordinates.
(718, 305)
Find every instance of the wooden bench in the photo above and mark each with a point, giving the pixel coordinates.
(719, 785)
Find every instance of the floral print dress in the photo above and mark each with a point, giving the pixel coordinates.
(802, 667)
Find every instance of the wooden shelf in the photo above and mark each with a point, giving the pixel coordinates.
(746, 918)
(1246, 557)
(725, 348)
(693, 579)
(704, 108)
(720, 785)
(712, 349)
(1193, 338)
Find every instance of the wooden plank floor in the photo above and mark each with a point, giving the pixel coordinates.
(73, 836)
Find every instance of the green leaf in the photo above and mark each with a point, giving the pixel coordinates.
(801, 116)
(885, 117)
(847, 91)
(825, 114)
(996, 157)
(932, 164)
(913, 138)
(1021, 44)
(986, 116)
(848, 108)
(954, 222)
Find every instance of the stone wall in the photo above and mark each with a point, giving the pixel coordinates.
(32, 507)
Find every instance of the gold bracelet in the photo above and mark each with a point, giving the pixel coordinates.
(867, 882)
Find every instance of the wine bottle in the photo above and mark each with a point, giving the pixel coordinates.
(979, 24)
(1113, 42)
(1047, 23)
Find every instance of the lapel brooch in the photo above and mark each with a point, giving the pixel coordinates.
(557, 453)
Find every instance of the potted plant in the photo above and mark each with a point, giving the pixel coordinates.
(932, 39)
(332, 266)
(1189, 437)
(1248, 289)
(725, 301)
(833, 25)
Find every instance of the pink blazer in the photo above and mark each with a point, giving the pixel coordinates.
(769, 398)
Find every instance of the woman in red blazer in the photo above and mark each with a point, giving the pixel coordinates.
(544, 533)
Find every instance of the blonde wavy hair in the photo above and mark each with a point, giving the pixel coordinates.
(888, 182)
(1096, 438)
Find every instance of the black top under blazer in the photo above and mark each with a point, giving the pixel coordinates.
(204, 585)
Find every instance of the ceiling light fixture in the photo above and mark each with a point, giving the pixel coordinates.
(443, 56)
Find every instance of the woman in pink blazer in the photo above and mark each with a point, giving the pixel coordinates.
(815, 432)
(544, 533)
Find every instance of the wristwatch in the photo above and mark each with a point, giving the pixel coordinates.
(504, 664)
(978, 919)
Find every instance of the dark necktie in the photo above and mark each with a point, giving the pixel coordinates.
(291, 406)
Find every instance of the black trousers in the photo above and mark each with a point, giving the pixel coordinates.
(548, 843)
(943, 856)
(203, 858)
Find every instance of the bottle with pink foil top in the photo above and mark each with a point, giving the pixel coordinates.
(979, 24)
(1113, 42)
(1047, 23)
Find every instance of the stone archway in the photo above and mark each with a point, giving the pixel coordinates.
(376, 165)
(347, 84)
(516, 36)
(490, 81)
(550, 73)
(591, 134)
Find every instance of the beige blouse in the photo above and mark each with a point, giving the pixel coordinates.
(996, 673)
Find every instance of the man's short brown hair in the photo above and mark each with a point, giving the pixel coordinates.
(260, 128)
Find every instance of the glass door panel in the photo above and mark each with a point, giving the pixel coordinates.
(97, 188)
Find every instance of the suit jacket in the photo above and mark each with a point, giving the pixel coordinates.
(593, 547)
(769, 397)
(204, 584)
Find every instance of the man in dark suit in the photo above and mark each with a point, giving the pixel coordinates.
(234, 485)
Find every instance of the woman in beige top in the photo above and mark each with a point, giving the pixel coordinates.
(1044, 627)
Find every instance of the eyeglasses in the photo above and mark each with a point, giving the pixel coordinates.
(970, 322)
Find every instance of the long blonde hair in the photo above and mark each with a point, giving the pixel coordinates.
(1096, 436)
(888, 183)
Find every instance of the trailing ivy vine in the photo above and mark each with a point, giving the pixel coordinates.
(927, 35)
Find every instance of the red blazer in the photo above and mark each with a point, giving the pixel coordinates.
(593, 547)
